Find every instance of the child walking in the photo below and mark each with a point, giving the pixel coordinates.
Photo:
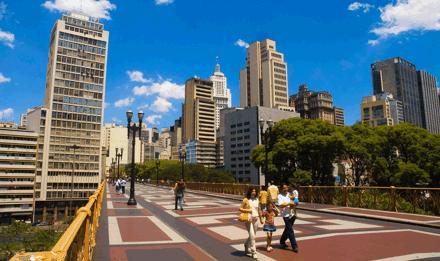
(269, 224)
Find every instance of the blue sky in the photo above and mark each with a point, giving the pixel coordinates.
(155, 45)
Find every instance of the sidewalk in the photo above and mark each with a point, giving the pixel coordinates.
(404, 218)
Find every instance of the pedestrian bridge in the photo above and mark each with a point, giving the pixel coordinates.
(207, 229)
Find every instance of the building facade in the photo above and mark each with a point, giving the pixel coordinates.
(399, 78)
(316, 105)
(75, 90)
(221, 93)
(18, 154)
(242, 134)
(430, 102)
(381, 109)
(199, 121)
(264, 82)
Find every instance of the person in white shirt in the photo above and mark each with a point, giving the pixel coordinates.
(118, 185)
(251, 205)
(273, 192)
(123, 183)
(285, 204)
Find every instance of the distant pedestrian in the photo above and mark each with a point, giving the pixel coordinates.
(250, 207)
(286, 205)
(262, 197)
(123, 183)
(273, 192)
(118, 186)
(179, 192)
(269, 224)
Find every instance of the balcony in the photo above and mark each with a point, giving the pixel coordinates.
(20, 142)
(17, 167)
(16, 183)
(14, 158)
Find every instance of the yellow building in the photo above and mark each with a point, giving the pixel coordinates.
(381, 109)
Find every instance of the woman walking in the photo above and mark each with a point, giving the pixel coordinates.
(251, 208)
(179, 191)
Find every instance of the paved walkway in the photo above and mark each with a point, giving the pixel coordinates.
(208, 230)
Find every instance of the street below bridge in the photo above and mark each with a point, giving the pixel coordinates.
(208, 229)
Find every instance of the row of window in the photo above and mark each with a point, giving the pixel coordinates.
(240, 124)
(79, 62)
(86, 24)
(79, 85)
(240, 131)
(76, 117)
(85, 77)
(82, 55)
(81, 47)
(81, 109)
(80, 39)
(78, 93)
(78, 166)
(75, 125)
(79, 69)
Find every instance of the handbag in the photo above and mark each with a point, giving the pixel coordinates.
(244, 217)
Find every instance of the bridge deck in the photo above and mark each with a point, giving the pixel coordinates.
(207, 229)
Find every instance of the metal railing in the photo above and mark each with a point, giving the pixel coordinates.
(400, 199)
(79, 239)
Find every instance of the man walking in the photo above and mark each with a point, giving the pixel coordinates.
(286, 204)
(123, 183)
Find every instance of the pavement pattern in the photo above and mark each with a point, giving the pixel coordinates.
(207, 229)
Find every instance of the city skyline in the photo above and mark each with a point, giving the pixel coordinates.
(140, 78)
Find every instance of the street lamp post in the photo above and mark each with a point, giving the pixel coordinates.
(157, 172)
(265, 139)
(131, 126)
(112, 170)
(74, 147)
(119, 157)
(182, 156)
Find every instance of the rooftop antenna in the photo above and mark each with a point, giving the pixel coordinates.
(217, 66)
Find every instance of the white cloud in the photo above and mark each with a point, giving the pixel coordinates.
(241, 43)
(4, 79)
(161, 105)
(6, 113)
(373, 42)
(164, 2)
(365, 7)
(2, 10)
(408, 15)
(124, 102)
(7, 38)
(153, 119)
(165, 89)
(137, 76)
(94, 8)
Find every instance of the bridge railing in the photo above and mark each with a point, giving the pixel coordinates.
(79, 239)
(401, 199)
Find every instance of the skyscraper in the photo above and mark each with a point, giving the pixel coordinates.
(399, 78)
(221, 93)
(199, 122)
(316, 105)
(75, 88)
(430, 102)
(263, 82)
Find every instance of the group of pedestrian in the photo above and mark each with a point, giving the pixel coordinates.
(261, 207)
(120, 186)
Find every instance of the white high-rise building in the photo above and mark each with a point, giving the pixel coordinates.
(220, 93)
(75, 90)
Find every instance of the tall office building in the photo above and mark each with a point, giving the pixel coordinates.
(221, 93)
(199, 122)
(316, 105)
(399, 78)
(18, 153)
(242, 134)
(263, 82)
(430, 102)
(75, 89)
(381, 109)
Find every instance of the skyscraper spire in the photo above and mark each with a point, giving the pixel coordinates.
(217, 66)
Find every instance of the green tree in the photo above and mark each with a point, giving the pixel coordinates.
(301, 178)
(410, 175)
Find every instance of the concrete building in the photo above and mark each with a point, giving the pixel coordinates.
(221, 93)
(18, 153)
(381, 109)
(316, 105)
(263, 82)
(399, 78)
(165, 144)
(8, 125)
(75, 90)
(242, 134)
(176, 138)
(116, 136)
(199, 122)
(430, 102)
